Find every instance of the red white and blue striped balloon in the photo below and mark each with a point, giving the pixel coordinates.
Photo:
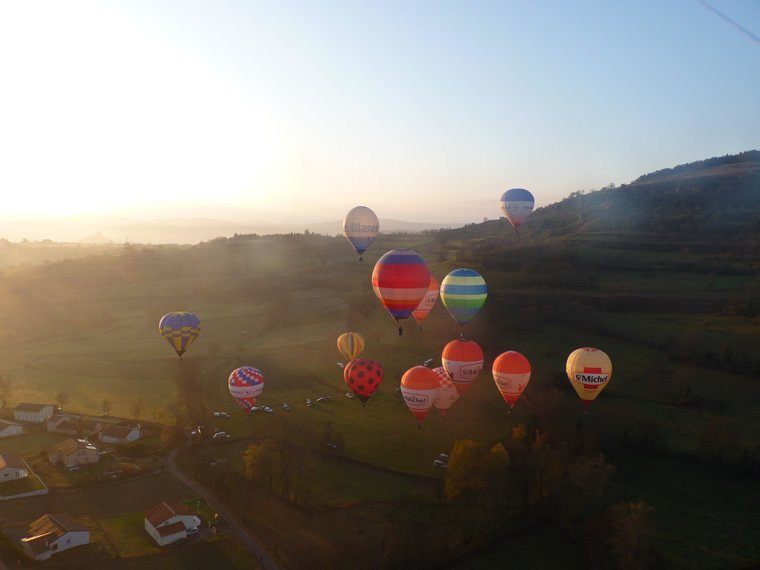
(400, 280)
(516, 205)
(246, 384)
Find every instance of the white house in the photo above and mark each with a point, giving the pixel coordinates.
(8, 429)
(169, 522)
(123, 432)
(12, 467)
(34, 413)
(51, 534)
(72, 452)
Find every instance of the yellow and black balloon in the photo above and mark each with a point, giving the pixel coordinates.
(180, 329)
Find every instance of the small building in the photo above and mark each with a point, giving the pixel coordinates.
(123, 432)
(33, 413)
(73, 452)
(169, 522)
(12, 467)
(51, 534)
(8, 429)
(73, 424)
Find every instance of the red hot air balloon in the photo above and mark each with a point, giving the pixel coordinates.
(511, 373)
(463, 361)
(419, 387)
(400, 280)
(363, 377)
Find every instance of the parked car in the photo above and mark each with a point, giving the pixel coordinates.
(268, 410)
(349, 395)
(221, 435)
(309, 402)
(286, 407)
(440, 464)
(444, 457)
(193, 530)
(332, 445)
(221, 415)
(429, 362)
(216, 414)
(323, 399)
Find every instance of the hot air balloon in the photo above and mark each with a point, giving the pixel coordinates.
(463, 361)
(180, 329)
(427, 303)
(589, 371)
(516, 205)
(463, 293)
(363, 377)
(447, 392)
(350, 345)
(419, 388)
(511, 373)
(246, 384)
(361, 227)
(400, 280)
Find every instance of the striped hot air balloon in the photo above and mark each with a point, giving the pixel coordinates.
(516, 205)
(428, 301)
(180, 329)
(463, 361)
(447, 392)
(246, 384)
(361, 227)
(511, 373)
(589, 371)
(463, 293)
(419, 388)
(400, 280)
(350, 345)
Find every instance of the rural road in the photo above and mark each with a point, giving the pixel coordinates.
(237, 527)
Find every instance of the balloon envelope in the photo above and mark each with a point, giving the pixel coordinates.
(400, 280)
(463, 361)
(246, 384)
(428, 301)
(361, 227)
(463, 293)
(363, 377)
(419, 388)
(516, 205)
(511, 373)
(589, 371)
(447, 392)
(350, 345)
(180, 329)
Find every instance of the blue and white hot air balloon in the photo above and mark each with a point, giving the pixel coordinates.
(361, 227)
(516, 205)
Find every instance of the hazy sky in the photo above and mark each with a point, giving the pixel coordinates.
(421, 110)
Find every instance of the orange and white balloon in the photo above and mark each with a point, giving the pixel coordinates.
(463, 361)
(428, 301)
(589, 371)
(419, 388)
(511, 373)
(447, 393)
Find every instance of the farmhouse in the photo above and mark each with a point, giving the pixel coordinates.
(12, 467)
(34, 413)
(169, 522)
(8, 429)
(72, 424)
(73, 452)
(123, 432)
(51, 534)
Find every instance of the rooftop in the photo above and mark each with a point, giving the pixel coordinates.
(69, 446)
(27, 407)
(8, 459)
(54, 524)
(171, 529)
(163, 511)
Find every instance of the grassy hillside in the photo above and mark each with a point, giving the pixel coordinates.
(662, 274)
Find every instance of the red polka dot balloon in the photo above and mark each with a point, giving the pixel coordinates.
(363, 377)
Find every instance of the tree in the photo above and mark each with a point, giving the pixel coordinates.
(137, 406)
(62, 398)
(260, 463)
(6, 390)
(105, 407)
(466, 473)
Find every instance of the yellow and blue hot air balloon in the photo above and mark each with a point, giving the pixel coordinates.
(361, 227)
(463, 293)
(350, 345)
(180, 329)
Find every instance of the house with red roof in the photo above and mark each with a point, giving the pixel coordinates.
(169, 522)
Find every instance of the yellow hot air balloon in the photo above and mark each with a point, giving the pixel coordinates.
(350, 345)
(589, 371)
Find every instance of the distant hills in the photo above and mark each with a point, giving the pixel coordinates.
(709, 202)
